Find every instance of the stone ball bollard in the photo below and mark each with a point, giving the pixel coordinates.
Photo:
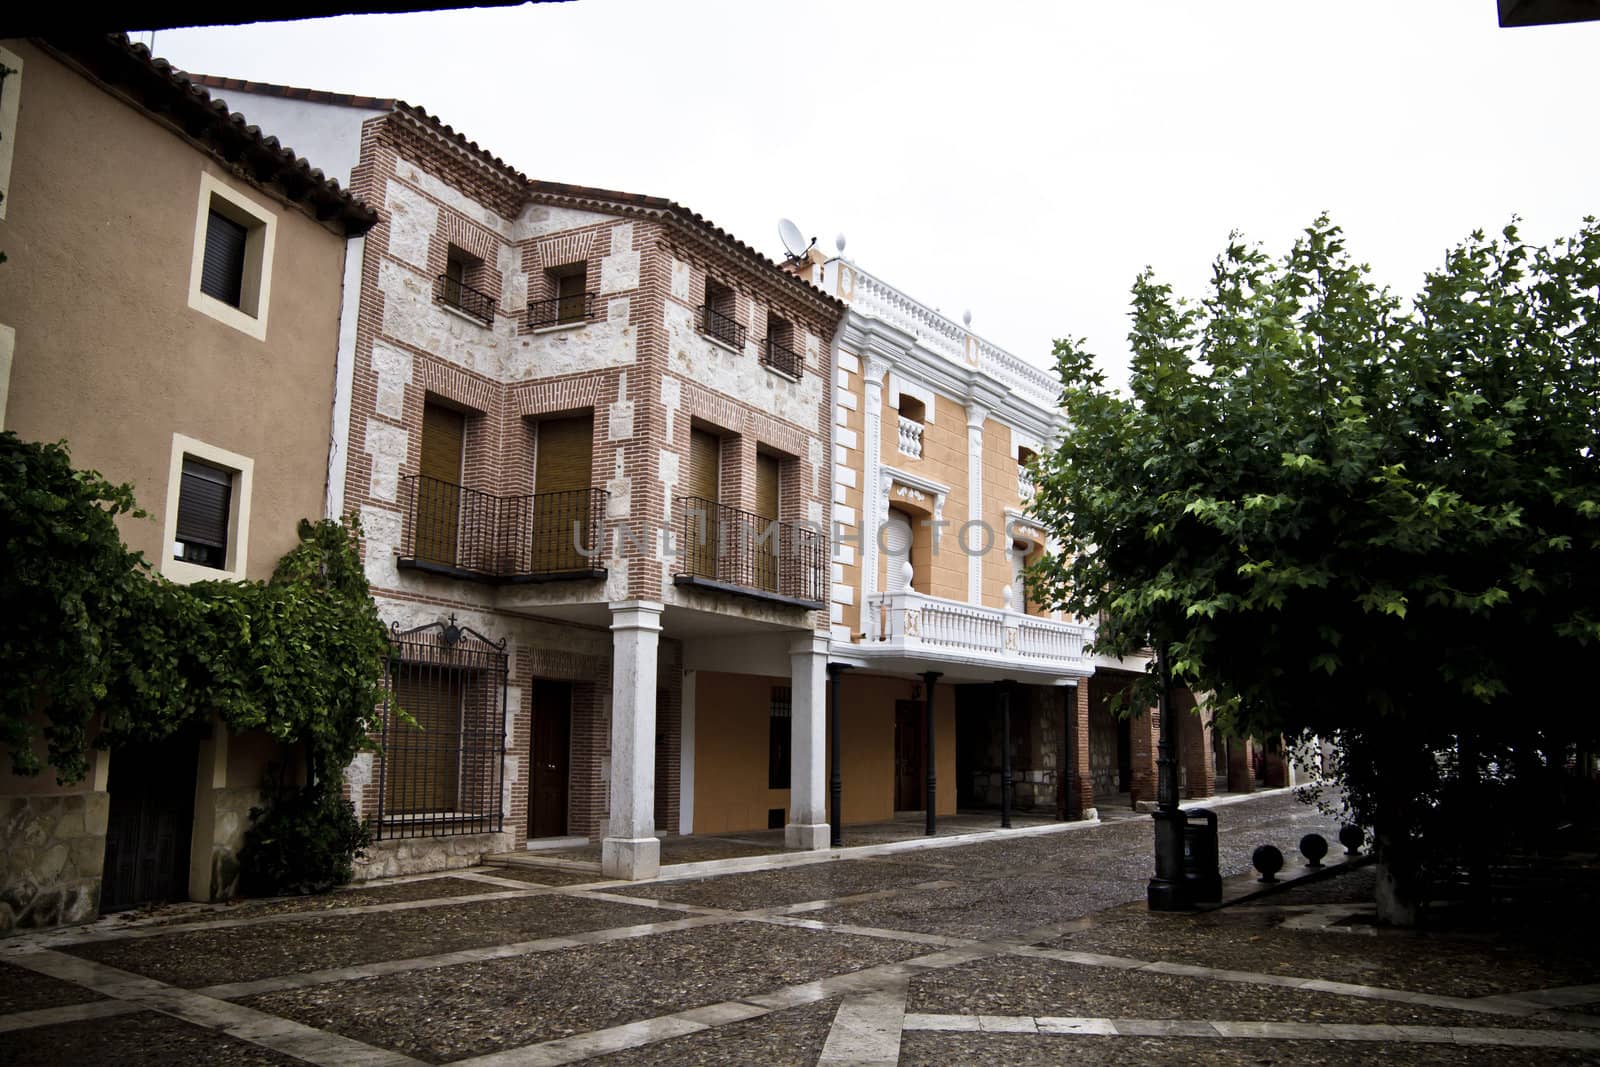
(1352, 837)
(1313, 847)
(1268, 860)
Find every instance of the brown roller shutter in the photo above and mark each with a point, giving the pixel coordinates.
(563, 518)
(566, 453)
(438, 505)
(767, 537)
(701, 520)
(705, 457)
(422, 764)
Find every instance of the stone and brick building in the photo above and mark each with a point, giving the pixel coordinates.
(170, 308)
(568, 417)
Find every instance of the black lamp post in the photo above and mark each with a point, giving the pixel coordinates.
(1166, 889)
(835, 780)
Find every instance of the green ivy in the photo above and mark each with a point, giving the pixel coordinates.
(90, 629)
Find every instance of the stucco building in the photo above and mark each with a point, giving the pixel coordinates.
(170, 308)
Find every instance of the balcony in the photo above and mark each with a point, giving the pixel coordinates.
(782, 359)
(722, 327)
(740, 552)
(910, 438)
(928, 627)
(465, 299)
(502, 540)
(1024, 482)
(563, 310)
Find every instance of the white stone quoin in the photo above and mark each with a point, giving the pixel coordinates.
(808, 812)
(630, 849)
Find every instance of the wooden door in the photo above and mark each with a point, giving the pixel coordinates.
(149, 825)
(910, 792)
(562, 519)
(551, 758)
(422, 763)
(438, 506)
(766, 548)
(700, 529)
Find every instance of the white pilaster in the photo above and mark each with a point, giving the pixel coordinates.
(686, 758)
(872, 514)
(975, 416)
(808, 812)
(630, 849)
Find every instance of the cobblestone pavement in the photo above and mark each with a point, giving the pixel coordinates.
(1030, 949)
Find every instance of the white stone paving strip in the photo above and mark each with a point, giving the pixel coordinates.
(866, 1029)
(67, 1013)
(246, 1024)
(1231, 1029)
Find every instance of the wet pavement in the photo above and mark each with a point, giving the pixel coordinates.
(1028, 949)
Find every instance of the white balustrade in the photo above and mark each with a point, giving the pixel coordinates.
(914, 623)
(910, 437)
(1024, 482)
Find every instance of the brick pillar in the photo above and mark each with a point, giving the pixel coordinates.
(1195, 750)
(1241, 766)
(1077, 786)
(1144, 733)
(1275, 766)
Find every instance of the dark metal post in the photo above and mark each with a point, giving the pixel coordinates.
(835, 780)
(1005, 755)
(930, 677)
(1067, 755)
(1166, 889)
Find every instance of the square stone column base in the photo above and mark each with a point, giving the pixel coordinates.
(808, 837)
(633, 858)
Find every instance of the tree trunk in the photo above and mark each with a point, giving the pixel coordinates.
(1398, 892)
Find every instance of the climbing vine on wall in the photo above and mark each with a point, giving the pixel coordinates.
(88, 628)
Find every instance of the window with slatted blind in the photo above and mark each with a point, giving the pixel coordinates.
(231, 273)
(205, 497)
(207, 519)
(222, 273)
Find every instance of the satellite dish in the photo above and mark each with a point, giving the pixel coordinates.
(793, 243)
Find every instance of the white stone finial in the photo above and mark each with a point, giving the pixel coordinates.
(1010, 598)
(905, 569)
(966, 318)
(838, 242)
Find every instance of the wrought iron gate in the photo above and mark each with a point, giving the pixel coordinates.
(441, 775)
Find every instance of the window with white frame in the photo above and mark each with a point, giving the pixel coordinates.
(10, 97)
(230, 276)
(207, 520)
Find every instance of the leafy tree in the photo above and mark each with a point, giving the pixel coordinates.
(1354, 518)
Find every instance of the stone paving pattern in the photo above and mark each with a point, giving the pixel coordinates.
(1029, 949)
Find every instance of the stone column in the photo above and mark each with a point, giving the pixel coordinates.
(630, 849)
(808, 809)
(686, 757)
(873, 369)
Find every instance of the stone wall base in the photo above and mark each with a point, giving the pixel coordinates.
(424, 855)
(54, 851)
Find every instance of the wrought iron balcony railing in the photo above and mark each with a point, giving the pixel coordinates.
(713, 323)
(465, 298)
(465, 533)
(719, 547)
(563, 310)
(782, 359)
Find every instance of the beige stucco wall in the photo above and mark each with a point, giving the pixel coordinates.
(866, 746)
(99, 231)
(731, 741)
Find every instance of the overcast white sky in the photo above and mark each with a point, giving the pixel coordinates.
(1023, 160)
